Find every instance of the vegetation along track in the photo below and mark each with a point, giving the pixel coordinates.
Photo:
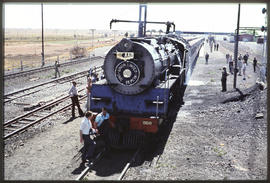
(66, 63)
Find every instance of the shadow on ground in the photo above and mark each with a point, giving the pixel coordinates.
(116, 161)
(69, 120)
(157, 143)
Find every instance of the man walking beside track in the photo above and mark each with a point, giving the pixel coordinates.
(230, 64)
(245, 57)
(227, 57)
(254, 64)
(224, 79)
(206, 58)
(57, 65)
(73, 93)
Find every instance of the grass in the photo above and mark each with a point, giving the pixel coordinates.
(25, 45)
(67, 71)
(220, 152)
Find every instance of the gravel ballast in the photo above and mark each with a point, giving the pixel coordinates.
(209, 139)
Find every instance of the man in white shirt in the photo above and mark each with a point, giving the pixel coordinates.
(239, 65)
(85, 131)
(73, 93)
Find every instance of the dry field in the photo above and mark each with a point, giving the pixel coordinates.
(25, 45)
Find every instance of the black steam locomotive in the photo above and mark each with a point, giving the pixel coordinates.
(143, 75)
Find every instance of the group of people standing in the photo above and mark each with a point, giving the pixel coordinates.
(91, 124)
(216, 46)
(242, 63)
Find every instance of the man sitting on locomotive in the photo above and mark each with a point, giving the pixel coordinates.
(102, 121)
(102, 125)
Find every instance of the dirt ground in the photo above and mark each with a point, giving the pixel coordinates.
(29, 50)
(209, 139)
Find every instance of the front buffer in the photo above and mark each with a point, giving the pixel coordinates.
(132, 116)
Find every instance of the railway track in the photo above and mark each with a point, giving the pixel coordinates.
(23, 122)
(44, 111)
(116, 176)
(36, 88)
(32, 71)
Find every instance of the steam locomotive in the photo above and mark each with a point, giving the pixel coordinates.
(143, 75)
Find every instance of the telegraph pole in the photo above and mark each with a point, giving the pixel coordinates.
(114, 31)
(42, 53)
(236, 48)
(264, 52)
(92, 38)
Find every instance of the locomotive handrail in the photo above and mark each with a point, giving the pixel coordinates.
(168, 24)
(157, 106)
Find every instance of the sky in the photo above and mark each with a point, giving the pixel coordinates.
(187, 17)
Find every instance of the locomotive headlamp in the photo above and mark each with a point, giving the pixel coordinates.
(127, 73)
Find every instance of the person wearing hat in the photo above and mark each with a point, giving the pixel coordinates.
(224, 79)
(73, 93)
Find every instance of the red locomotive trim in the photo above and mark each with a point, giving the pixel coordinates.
(149, 125)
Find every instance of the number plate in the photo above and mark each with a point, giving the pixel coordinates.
(147, 122)
(124, 55)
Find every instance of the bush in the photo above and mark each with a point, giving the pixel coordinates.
(78, 51)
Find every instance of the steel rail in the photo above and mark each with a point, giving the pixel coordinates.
(9, 100)
(36, 121)
(38, 109)
(71, 62)
(128, 165)
(98, 69)
(15, 131)
(87, 169)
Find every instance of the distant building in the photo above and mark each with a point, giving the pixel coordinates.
(246, 37)
(231, 39)
(260, 40)
(242, 37)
